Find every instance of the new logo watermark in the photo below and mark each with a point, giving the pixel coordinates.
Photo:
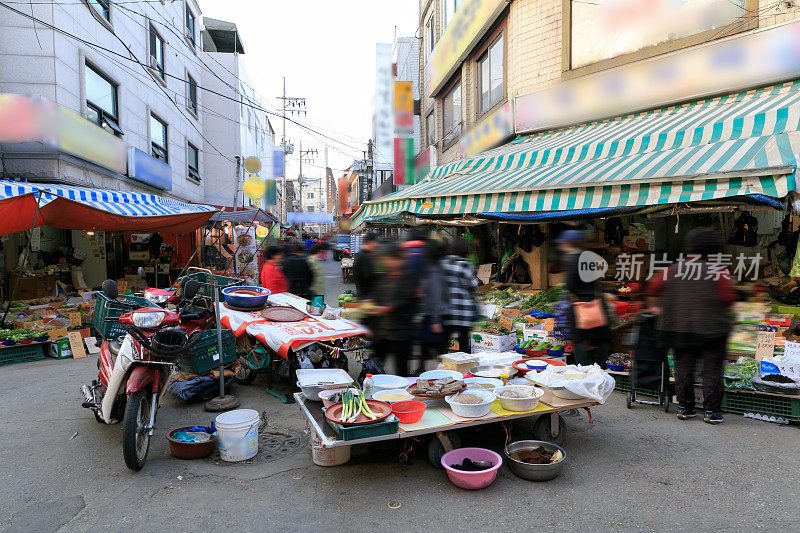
(591, 266)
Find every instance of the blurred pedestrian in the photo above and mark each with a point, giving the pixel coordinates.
(309, 243)
(364, 267)
(461, 283)
(272, 276)
(393, 317)
(586, 299)
(314, 261)
(415, 249)
(297, 271)
(433, 307)
(693, 320)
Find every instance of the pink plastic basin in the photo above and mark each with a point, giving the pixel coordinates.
(471, 480)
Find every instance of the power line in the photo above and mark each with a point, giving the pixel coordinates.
(166, 74)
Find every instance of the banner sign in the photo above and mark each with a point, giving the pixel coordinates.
(754, 59)
(489, 132)
(277, 163)
(403, 108)
(403, 161)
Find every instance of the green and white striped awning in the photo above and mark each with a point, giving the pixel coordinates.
(745, 143)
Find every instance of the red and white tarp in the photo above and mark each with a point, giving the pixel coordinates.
(284, 336)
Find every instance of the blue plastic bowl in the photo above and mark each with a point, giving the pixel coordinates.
(555, 353)
(9, 343)
(519, 350)
(245, 300)
(43, 338)
(616, 368)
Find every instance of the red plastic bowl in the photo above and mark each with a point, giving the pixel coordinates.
(530, 352)
(408, 411)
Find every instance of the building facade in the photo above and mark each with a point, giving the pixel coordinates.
(125, 113)
(234, 118)
(478, 56)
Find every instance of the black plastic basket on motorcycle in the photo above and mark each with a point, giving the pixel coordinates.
(170, 342)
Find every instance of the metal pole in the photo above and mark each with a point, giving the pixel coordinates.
(284, 196)
(27, 254)
(219, 337)
(300, 187)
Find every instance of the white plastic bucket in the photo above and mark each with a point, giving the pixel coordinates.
(237, 434)
(327, 456)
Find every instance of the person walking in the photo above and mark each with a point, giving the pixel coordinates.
(586, 297)
(461, 282)
(271, 275)
(315, 263)
(433, 307)
(297, 271)
(692, 309)
(393, 317)
(364, 267)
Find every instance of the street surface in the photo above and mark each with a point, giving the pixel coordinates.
(631, 470)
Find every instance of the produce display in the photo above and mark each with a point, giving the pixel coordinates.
(354, 403)
(346, 297)
(620, 359)
(543, 302)
(13, 336)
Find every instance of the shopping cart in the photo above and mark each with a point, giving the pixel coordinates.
(649, 373)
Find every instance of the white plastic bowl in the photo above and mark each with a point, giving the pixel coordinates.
(439, 374)
(519, 404)
(380, 395)
(483, 383)
(383, 382)
(472, 410)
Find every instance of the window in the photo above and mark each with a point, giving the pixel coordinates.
(311, 196)
(157, 53)
(430, 128)
(102, 8)
(191, 94)
(310, 209)
(158, 139)
(452, 115)
(430, 33)
(190, 25)
(450, 7)
(193, 162)
(101, 100)
(604, 29)
(490, 85)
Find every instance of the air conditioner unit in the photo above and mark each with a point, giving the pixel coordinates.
(154, 62)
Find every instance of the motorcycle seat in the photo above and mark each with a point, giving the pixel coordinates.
(192, 313)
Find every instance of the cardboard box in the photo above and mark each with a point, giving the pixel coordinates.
(488, 342)
(59, 349)
(776, 319)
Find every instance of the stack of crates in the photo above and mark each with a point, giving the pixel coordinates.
(105, 307)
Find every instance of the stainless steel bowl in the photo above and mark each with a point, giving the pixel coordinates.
(316, 311)
(504, 369)
(534, 472)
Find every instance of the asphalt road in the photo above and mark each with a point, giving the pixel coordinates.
(629, 470)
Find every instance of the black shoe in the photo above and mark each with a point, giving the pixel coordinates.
(686, 414)
(712, 417)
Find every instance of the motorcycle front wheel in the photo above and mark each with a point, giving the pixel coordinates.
(135, 435)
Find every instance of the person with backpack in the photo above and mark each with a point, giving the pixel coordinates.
(461, 283)
(297, 271)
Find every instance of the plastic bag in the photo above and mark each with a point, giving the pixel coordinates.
(597, 384)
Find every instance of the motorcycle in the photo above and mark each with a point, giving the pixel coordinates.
(133, 371)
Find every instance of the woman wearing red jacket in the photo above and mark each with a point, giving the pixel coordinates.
(272, 276)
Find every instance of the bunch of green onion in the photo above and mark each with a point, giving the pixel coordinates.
(353, 404)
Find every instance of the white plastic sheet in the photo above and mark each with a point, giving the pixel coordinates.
(597, 384)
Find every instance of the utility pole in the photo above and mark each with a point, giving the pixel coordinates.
(308, 156)
(295, 106)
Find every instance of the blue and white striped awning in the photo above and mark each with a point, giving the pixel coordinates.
(67, 207)
(740, 144)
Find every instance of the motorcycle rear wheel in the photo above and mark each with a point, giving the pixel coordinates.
(135, 436)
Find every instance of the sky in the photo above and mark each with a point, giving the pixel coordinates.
(326, 51)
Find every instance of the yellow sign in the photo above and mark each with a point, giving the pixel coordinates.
(427, 205)
(470, 19)
(489, 132)
(254, 187)
(262, 231)
(252, 164)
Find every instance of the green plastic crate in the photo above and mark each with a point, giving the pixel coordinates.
(387, 427)
(206, 286)
(624, 385)
(21, 353)
(745, 402)
(204, 354)
(108, 308)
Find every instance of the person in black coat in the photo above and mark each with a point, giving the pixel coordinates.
(296, 269)
(364, 268)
